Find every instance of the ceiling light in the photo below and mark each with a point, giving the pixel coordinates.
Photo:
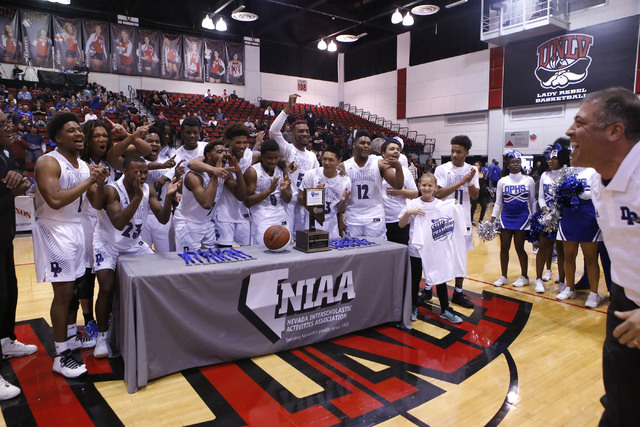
(221, 25)
(396, 18)
(425, 9)
(241, 16)
(332, 46)
(322, 45)
(408, 20)
(207, 23)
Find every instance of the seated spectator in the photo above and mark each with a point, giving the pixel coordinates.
(260, 125)
(184, 116)
(180, 103)
(269, 111)
(4, 94)
(24, 94)
(213, 123)
(233, 95)
(110, 107)
(208, 97)
(224, 95)
(17, 72)
(120, 107)
(90, 116)
(88, 92)
(38, 108)
(219, 115)
(81, 68)
(34, 145)
(95, 103)
(24, 112)
(51, 113)
(165, 100)
(62, 104)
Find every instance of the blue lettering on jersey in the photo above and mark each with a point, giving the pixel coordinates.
(55, 269)
(515, 189)
(628, 215)
(442, 228)
(99, 259)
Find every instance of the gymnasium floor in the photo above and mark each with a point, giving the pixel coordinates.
(518, 359)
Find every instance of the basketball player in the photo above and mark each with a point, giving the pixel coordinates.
(194, 218)
(395, 200)
(337, 190)
(364, 215)
(268, 191)
(62, 179)
(458, 180)
(604, 136)
(297, 152)
(126, 206)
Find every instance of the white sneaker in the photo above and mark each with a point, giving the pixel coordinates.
(539, 286)
(593, 300)
(7, 391)
(561, 286)
(14, 348)
(501, 281)
(80, 341)
(65, 365)
(567, 293)
(521, 281)
(102, 349)
(547, 276)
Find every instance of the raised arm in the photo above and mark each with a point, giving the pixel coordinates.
(120, 217)
(163, 212)
(251, 180)
(387, 168)
(443, 192)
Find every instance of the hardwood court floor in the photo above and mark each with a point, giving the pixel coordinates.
(523, 359)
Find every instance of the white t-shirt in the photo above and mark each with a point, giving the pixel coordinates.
(228, 208)
(186, 155)
(393, 205)
(447, 175)
(271, 210)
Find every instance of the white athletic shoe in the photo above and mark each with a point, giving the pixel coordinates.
(501, 281)
(567, 293)
(102, 349)
(593, 300)
(65, 365)
(80, 341)
(539, 286)
(561, 286)
(14, 348)
(547, 276)
(521, 281)
(7, 391)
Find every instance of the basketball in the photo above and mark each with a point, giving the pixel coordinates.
(276, 237)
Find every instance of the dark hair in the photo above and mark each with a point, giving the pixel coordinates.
(132, 159)
(618, 105)
(88, 128)
(462, 140)
(269, 145)
(210, 146)
(361, 133)
(333, 150)
(298, 122)
(236, 129)
(386, 144)
(564, 155)
(162, 124)
(58, 121)
(191, 121)
(156, 129)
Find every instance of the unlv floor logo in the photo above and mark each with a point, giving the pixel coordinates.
(564, 60)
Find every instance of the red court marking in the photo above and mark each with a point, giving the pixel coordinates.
(49, 396)
(485, 333)
(501, 309)
(353, 404)
(26, 263)
(415, 351)
(95, 366)
(257, 407)
(535, 294)
(391, 389)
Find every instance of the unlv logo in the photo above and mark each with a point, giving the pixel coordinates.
(564, 60)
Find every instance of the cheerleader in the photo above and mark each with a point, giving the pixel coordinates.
(578, 227)
(557, 155)
(515, 200)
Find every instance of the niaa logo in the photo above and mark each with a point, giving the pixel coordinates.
(564, 60)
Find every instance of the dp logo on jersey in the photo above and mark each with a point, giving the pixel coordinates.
(564, 60)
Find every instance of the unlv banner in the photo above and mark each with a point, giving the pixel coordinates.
(96, 45)
(10, 45)
(36, 38)
(68, 53)
(193, 59)
(148, 53)
(171, 56)
(235, 68)
(123, 53)
(569, 65)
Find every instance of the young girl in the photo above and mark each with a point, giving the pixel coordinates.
(436, 244)
(557, 155)
(515, 200)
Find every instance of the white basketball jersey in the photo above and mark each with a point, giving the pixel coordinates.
(189, 209)
(365, 204)
(130, 235)
(333, 190)
(447, 175)
(272, 209)
(228, 208)
(87, 209)
(70, 176)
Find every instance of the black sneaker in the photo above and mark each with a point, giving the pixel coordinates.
(425, 296)
(461, 299)
(582, 284)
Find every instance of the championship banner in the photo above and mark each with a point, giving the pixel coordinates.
(148, 52)
(215, 56)
(67, 51)
(193, 64)
(10, 44)
(235, 68)
(96, 45)
(36, 40)
(171, 56)
(567, 66)
(123, 53)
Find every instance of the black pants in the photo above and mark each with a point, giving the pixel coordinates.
(620, 369)
(483, 200)
(416, 276)
(8, 293)
(397, 234)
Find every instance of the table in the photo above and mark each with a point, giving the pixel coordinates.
(169, 317)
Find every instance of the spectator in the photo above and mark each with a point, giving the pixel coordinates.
(17, 72)
(224, 95)
(110, 108)
(208, 97)
(269, 111)
(74, 103)
(35, 145)
(90, 116)
(24, 94)
(233, 95)
(219, 115)
(24, 112)
(95, 103)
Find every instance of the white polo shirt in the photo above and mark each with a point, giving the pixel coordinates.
(618, 213)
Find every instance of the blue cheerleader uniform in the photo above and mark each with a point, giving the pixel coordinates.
(580, 225)
(515, 200)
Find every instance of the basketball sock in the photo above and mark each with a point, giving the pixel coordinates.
(72, 330)
(427, 287)
(458, 289)
(88, 317)
(61, 347)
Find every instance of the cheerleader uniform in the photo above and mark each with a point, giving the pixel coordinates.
(515, 199)
(580, 225)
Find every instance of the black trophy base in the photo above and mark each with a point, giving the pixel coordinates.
(312, 241)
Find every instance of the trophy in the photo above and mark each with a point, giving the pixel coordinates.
(313, 240)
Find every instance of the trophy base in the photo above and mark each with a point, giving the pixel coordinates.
(312, 241)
